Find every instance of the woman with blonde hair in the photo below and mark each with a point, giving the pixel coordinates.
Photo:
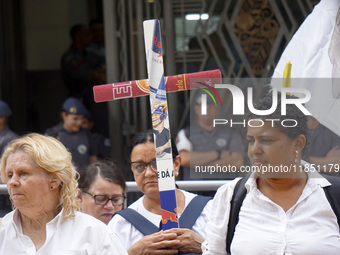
(41, 182)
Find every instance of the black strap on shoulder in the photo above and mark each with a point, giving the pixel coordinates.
(193, 211)
(187, 219)
(333, 194)
(143, 225)
(240, 193)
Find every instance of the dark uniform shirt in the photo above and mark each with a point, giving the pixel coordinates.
(80, 144)
(101, 145)
(6, 135)
(220, 138)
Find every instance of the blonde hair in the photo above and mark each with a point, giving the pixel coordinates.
(52, 156)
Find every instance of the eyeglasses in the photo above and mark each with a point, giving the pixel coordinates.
(102, 199)
(140, 166)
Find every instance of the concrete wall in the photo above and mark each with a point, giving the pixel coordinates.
(47, 25)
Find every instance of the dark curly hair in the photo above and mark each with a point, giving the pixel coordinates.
(292, 113)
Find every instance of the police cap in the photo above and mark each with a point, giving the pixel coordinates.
(73, 105)
(5, 110)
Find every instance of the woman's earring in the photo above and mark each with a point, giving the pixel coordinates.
(297, 156)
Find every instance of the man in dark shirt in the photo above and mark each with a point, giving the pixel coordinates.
(80, 67)
(201, 145)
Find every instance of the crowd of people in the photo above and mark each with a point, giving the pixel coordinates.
(66, 195)
(51, 196)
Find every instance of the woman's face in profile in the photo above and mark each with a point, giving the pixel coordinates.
(27, 183)
(268, 146)
(104, 187)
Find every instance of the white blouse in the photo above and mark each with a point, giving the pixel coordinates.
(309, 227)
(80, 235)
(128, 234)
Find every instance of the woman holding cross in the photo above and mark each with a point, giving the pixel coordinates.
(147, 239)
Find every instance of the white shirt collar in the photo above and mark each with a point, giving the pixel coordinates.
(16, 221)
(314, 178)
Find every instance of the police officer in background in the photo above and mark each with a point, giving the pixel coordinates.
(70, 132)
(204, 145)
(6, 135)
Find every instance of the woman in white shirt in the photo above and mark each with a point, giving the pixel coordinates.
(143, 166)
(41, 182)
(285, 210)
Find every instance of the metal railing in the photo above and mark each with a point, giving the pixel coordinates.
(206, 185)
(3, 189)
